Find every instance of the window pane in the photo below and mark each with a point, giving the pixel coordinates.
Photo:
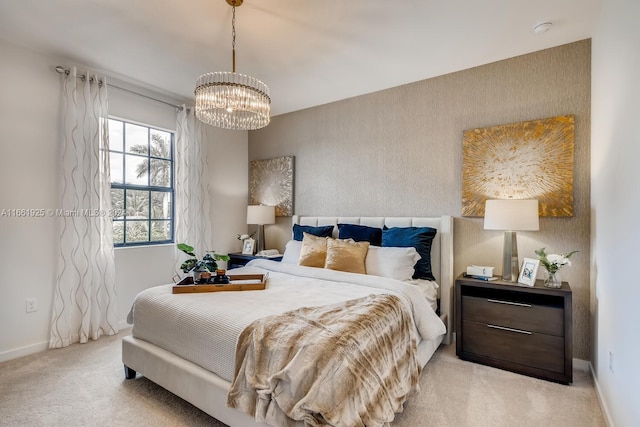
(160, 230)
(141, 158)
(160, 205)
(137, 231)
(137, 170)
(160, 173)
(137, 139)
(117, 199)
(116, 139)
(115, 163)
(137, 205)
(160, 143)
(118, 232)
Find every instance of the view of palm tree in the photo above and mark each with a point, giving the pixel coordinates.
(160, 172)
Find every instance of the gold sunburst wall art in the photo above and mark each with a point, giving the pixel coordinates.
(271, 183)
(526, 160)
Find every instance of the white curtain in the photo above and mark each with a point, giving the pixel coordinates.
(192, 201)
(84, 305)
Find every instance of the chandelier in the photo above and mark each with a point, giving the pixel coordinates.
(229, 100)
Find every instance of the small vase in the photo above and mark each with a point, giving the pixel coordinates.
(553, 280)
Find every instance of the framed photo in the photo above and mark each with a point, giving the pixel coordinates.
(247, 246)
(529, 271)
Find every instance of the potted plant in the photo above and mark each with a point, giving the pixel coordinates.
(207, 264)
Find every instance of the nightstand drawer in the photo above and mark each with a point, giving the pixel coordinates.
(534, 350)
(510, 313)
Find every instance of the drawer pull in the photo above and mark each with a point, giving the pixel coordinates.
(497, 301)
(520, 331)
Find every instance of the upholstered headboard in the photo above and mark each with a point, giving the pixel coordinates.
(441, 249)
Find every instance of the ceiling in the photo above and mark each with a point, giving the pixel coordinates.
(309, 52)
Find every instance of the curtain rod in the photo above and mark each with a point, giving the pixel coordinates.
(82, 77)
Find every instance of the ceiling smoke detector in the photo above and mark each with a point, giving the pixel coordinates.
(542, 27)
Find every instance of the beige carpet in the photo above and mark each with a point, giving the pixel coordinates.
(84, 385)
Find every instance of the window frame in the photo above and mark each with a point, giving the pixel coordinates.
(147, 188)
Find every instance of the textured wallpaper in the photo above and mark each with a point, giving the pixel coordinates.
(398, 152)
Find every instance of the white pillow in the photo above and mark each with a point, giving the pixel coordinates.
(429, 289)
(292, 252)
(392, 262)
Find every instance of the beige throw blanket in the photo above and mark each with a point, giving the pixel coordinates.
(347, 364)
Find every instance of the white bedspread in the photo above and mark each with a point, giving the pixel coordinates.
(204, 328)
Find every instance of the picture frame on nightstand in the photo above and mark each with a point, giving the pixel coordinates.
(529, 271)
(247, 246)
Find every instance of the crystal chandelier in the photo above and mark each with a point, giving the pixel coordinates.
(229, 100)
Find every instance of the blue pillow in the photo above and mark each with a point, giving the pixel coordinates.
(420, 238)
(323, 231)
(360, 233)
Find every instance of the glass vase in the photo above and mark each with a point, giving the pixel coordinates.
(553, 280)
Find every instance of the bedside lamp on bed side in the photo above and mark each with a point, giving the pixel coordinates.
(261, 215)
(511, 215)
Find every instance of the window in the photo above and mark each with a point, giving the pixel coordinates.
(141, 159)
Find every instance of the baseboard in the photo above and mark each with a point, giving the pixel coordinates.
(123, 325)
(42, 346)
(581, 365)
(23, 351)
(603, 405)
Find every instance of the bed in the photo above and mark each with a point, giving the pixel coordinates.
(201, 368)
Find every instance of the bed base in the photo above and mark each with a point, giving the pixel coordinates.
(203, 389)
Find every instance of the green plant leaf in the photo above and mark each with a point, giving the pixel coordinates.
(188, 265)
(220, 257)
(186, 249)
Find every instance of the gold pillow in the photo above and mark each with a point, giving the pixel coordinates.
(346, 255)
(313, 250)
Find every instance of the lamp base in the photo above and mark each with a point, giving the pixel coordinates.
(510, 267)
(260, 239)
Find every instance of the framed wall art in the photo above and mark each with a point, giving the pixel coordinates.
(526, 160)
(271, 184)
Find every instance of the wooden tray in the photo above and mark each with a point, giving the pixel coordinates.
(186, 286)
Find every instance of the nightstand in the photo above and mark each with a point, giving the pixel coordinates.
(524, 329)
(238, 259)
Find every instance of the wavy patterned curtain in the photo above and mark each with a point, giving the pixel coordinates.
(192, 201)
(84, 305)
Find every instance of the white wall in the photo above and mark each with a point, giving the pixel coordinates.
(615, 203)
(29, 117)
(228, 187)
(29, 105)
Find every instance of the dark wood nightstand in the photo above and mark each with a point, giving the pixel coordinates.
(524, 329)
(238, 259)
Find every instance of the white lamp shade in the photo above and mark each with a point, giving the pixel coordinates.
(511, 215)
(259, 214)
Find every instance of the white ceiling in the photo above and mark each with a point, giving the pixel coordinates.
(309, 52)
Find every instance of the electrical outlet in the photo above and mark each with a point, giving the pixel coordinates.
(32, 305)
(611, 360)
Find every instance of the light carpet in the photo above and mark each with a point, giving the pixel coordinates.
(84, 385)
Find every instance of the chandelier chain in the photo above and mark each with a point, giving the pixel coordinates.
(233, 28)
(233, 38)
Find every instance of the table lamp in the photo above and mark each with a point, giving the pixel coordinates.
(511, 215)
(261, 215)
